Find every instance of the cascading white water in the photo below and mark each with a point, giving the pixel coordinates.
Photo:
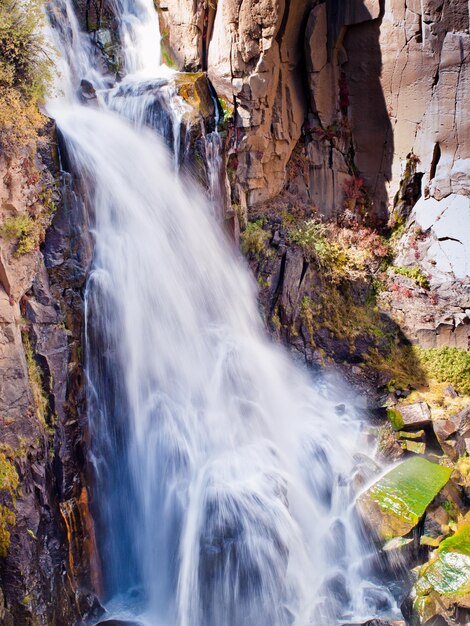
(223, 476)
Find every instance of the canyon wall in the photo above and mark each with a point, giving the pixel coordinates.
(390, 75)
(337, 110)
(47, 539)
(349, 109)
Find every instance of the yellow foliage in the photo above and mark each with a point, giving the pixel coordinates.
(20, 120)
(9, 485)
(25, 67)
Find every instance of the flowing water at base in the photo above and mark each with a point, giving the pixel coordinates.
(223, 476)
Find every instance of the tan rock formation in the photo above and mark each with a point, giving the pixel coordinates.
(182, 29)
(254, 59)
(397, 71)
(424, 80)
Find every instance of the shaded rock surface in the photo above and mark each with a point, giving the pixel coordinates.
(453, 434)
(40, 380)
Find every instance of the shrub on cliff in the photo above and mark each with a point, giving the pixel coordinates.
(8, 488)
(25, 66)
(447, 365)
(254, 238)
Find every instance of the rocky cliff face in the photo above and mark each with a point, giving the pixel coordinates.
(347, 158)
(348, 113)
(394, 74)
(47, 535)
(345, 110)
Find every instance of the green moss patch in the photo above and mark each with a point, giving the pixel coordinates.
(396, 503)
(460, 542)
(9, 482)
(415, 273)
(448, 572)
(395, 419)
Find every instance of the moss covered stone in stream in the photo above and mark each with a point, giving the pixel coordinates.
(395, 504)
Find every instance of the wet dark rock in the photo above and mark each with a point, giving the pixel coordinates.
(377, 622)
(118, 622)
(88, 92)
(89, 606)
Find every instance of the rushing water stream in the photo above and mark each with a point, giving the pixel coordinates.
(223, 492)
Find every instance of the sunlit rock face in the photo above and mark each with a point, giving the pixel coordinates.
(396, 71)
(421, 75)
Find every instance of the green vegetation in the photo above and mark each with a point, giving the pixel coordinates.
(415, 273)
(451, 510)
(363, 326)
(26, 230)
(8, 487)
(450, 365)
(395, 419)
(442, 404)
(316, 246)
(254, 238)
(25, 69)
(23, 230)
(227, 109)
(340, 253)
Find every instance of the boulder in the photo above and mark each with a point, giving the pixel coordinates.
(118, 622)
(414, 415)
(394, 505)
(453, 434)
(416, 447)
(443, 586)
(88, 91)
(378, 622)
(194, 89)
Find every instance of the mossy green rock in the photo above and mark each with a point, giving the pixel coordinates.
(194, 89)
(395, 504)
(445, 580)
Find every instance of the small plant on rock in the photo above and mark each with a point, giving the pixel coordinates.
(355, 201)
(415, 273)
(254, 238)
(23, 230)
(9, 482)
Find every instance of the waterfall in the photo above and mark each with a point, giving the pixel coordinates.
(223, 483)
